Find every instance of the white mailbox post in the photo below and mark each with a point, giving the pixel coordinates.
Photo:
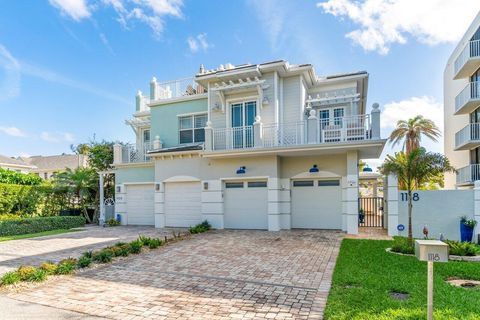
(431, 251)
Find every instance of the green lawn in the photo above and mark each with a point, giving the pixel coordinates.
(39, 234)
(365, 275)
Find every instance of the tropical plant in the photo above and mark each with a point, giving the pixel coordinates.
(66, 266)
(411, 132)
(414, 170)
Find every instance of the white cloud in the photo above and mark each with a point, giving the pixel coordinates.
(75, 9)
(57, 137)
(10, 80)
(386, 22)
(13, 131)
(198, 43)
(272, 15)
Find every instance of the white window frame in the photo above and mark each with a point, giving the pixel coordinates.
(191, 115)
(331, 113)
(243, 100)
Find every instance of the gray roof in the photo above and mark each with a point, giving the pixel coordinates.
(59, 162)
(12, 161)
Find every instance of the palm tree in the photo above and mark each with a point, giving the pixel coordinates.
(82, 183)
(414, 170)
(411, 131)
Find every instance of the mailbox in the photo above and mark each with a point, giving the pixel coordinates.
(431, 250)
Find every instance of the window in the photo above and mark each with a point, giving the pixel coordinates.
(232, 185)
(146, 135)
(192, 128)
(328, 183)
(304, 183)
(331, 116)
(257, 184)
(338, 115)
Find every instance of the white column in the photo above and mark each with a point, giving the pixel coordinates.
(208, 145)
(278, 204)
(212, 203)
(153, 89)
(257, 132)
(351, 193)
(392, 205)
(157, 143)
(312, 127)
(159, 206)
(476, 209)
(117, 153)
(101, 220)
(375, 118)
(344, 204)
(121, 203)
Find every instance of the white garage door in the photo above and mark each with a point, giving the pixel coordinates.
(183, 207)
(140, 203)
(316, 204)
(246, 205)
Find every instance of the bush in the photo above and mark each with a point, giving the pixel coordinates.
(40, 224)
(112, 222)
(10, 278)
(25, 272)
(123, 250)
(201, 227)
(103, 256)
(457, 248)
(401, 245)
(88, 254)
(145, 240)
(84, 262)
(18, 178)
(155, 243)
(136, 246)
(49, 267)
(66, 266)
(38, 276)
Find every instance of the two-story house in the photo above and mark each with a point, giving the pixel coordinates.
(462, 109)
(256, 146)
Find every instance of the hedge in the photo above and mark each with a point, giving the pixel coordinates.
(40, 224)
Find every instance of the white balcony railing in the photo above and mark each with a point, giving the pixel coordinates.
(333, 130)
(132, 154)
(471, 50)
(468, 174)
(470, 92)
(176, 89)
(470, 133)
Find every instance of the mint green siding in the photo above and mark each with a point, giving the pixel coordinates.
(164, 119)
(140, 174)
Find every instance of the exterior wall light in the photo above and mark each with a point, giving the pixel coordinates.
(241, 170)
(314, 169)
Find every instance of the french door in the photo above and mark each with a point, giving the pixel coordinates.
(243, 117)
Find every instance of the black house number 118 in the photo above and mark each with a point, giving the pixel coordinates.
(415, 196)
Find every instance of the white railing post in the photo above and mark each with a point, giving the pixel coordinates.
(312, 127)
(117, 153)
(257, 132)
(209, 137)
(375, 121)
(154, 89)
(392, 205)
(157, 143)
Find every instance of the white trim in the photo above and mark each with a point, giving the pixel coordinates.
(244, 178)
(181, 179)
(161, 102)
(243, 100)
(192, 114)
(138, 183)
(316, 175)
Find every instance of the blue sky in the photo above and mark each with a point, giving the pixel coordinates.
(69, 69)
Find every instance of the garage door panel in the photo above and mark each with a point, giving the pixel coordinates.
(246, 208)
(182, 204)
(140, 205)
(317, 205)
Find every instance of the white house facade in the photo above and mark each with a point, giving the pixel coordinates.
(258, 146)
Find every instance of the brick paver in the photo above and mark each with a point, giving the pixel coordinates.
(57, 247)
(218, 275)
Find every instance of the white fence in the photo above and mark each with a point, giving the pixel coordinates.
(132, 154)
(470, 92)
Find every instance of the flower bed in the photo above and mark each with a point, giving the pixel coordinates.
(34, 225)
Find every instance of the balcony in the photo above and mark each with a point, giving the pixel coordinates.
(129, 153)
(468, 99)
(175, 89)
(468, 175)
(302, 133)
(468, 137)
(468, 61)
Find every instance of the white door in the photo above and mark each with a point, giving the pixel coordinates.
(316, 204)
(246, 205)
(140, 204)
(183, 206)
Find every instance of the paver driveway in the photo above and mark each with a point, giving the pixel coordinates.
(34, 251)
(218, 275)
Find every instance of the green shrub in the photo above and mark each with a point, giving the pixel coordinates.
(18, 178)
(40, 224)
(103, 256)
(25, 272)
(401, 245)
(136, 246)
(88, 254)
(201, 227)
(84, 262)
(49, 267)
(10, 278)
(155, 243)
(66, 266)
(112, 222)
(145, 240)
(458, 248)
(123, 250)
(38, 276)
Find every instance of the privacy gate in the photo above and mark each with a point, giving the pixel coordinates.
(370, 212)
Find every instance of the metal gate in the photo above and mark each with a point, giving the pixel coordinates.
(370, 212)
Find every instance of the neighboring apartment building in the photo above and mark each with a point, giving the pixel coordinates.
(257, 146)
(13, 164)
(461, 109)
(47, 166)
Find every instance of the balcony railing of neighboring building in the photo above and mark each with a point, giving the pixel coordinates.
(131, 154)
(469, 134)
(471, 50)
(175, 89)
(470, 93)
(319, 131)
(468, 174)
